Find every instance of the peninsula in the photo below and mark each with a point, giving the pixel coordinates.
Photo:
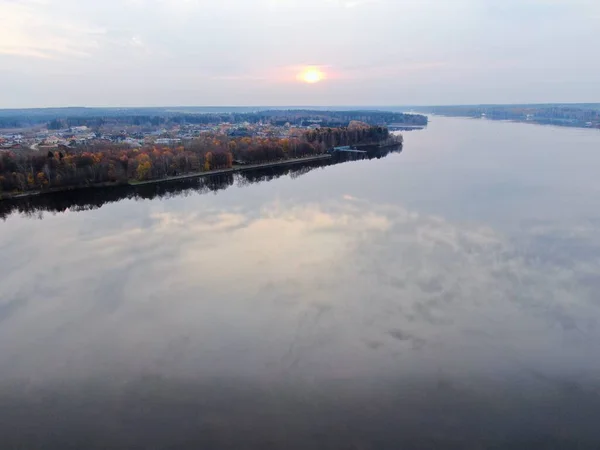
(92, 156)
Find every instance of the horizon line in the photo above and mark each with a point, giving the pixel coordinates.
(291, 106)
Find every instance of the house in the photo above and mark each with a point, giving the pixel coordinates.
(167, 141)
(81, 129)
(52, 140)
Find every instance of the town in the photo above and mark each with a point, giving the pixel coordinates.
(81, 137)
(134, 130)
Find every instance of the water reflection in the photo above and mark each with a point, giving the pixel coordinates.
(248, 323)
(253, 319)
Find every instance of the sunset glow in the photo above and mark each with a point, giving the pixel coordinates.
(311, 75)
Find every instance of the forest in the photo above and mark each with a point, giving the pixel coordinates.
(117, 164)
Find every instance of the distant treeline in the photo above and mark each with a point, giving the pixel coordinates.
(89, 199)
(110, 163)
(578, 115)
(65, 118)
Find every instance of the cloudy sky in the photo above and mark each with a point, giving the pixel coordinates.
(250, 52)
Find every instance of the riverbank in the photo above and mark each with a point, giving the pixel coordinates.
(236, 169)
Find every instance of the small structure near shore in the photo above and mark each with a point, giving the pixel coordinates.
(346, 149)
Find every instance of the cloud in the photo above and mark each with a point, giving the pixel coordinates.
(353, 3)
(345, 272)
(31, 29)
(382, 52)
(136, 41)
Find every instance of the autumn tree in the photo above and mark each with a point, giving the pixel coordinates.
(207, 161)
(144, 167)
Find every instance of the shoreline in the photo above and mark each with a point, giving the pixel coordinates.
(236, 169)
(579, 125)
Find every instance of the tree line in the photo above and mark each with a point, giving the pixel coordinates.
(274, 117)
(107, 163)
(567, 115)
(61, 118)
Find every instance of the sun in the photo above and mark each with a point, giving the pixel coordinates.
(311, 75)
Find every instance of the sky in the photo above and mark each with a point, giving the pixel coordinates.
(253, 52)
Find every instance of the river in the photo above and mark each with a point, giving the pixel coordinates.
(443, 297)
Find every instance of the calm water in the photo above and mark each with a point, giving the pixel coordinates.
(444, 297)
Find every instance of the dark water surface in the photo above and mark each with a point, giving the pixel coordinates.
(444, 297)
